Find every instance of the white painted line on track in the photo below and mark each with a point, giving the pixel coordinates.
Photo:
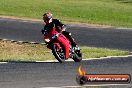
(72, 86)
(87, 59)
(50, 87)
(3, 62)
(110, 85)
(124, 28)
(98, 85)
(70, 60)
(34, 43)
(4, 39)
(20, 41)
(85, 86)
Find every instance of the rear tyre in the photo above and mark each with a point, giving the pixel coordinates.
(58, 53)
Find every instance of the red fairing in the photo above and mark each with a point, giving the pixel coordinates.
(66, 43)
(60, 39)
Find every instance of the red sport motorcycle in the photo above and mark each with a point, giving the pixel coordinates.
(61, 47)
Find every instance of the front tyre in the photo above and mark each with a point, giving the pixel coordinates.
(58, 53)
(77, 57)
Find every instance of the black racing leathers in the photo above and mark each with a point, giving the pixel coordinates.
(59, 27)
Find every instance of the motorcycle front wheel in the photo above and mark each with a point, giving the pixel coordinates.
(58, 53)
(77, 57)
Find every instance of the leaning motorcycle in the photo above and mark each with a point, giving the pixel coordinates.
(61, 47)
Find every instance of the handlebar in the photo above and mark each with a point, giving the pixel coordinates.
(55, 35)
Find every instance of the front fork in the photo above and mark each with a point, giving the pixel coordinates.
(74, 51)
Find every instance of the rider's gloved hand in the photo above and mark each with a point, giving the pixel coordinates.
(61, 29)
(44, 32)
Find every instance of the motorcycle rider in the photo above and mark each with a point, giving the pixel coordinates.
(50, 22)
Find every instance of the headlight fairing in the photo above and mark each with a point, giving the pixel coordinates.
(47, 40)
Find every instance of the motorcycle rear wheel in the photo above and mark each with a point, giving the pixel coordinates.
(58, 53)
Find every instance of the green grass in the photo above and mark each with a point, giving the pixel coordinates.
(108, 12)
(92, 52)
(37, 52)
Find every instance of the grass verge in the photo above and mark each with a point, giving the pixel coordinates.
(36, 52)
(106, 12)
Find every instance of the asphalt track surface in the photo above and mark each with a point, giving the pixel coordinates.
(40, 75)
(86, 36)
